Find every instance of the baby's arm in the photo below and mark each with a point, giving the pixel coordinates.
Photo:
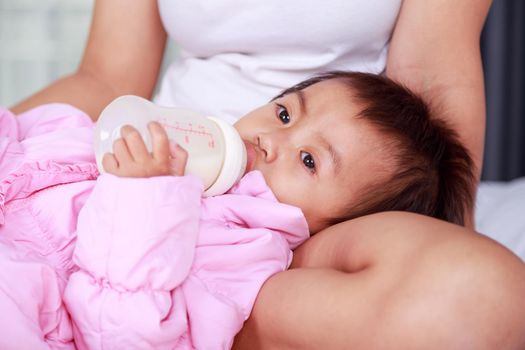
(130, 158)
(136, 242)
(135, 246)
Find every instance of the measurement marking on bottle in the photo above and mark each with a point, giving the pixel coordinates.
(189, 130)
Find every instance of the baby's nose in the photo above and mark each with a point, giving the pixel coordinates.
(270, 144)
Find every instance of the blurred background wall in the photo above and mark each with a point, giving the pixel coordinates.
(41, 40)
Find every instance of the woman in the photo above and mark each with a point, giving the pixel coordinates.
(394, 280)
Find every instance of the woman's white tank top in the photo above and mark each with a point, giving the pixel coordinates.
(235, 56)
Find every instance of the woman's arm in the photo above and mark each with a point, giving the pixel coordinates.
(122, 56)
(435, 51)
(404, 281)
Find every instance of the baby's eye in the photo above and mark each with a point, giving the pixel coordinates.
(283, 115)
(308, 161)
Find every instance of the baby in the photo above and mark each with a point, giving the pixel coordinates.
(139, 259)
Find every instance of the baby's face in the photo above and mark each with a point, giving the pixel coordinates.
(312, 151)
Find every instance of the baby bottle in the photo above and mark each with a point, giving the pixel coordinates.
(216, 152)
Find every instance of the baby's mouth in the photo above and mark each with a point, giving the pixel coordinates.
(251, 155)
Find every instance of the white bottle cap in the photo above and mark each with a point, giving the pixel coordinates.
(234, 164)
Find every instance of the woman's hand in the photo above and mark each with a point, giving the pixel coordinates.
(130, 157)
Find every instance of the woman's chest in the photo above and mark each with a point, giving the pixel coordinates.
(205, 28)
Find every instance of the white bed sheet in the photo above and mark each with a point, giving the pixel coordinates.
(500, 213)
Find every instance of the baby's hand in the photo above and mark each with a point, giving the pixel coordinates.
(130, 157)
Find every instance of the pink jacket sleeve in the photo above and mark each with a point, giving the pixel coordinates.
(47, 145)
(226, 278)
(136, 244)
(245, 238)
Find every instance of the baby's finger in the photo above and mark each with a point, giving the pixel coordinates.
(136, 146)
(179, 158)
(110, 163)
(121, 152)
(159, 141)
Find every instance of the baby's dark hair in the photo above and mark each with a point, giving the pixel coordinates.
(433, 170)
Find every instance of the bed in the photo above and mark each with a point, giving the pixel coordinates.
(500, 213)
